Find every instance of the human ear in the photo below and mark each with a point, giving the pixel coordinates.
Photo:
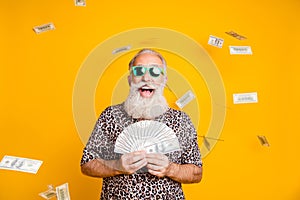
(165, 80)
(129, 80)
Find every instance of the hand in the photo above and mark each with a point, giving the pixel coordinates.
(158, 164)
(131, 162)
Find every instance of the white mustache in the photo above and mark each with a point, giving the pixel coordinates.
(143, 84)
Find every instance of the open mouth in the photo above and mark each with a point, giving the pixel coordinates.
(146, 91)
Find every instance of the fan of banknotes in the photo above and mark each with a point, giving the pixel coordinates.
(148, 135)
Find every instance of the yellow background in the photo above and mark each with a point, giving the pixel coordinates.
(38, 74)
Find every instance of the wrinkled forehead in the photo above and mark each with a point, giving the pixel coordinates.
(146, 59)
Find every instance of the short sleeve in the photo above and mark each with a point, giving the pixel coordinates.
(189, 141)
(101, 142)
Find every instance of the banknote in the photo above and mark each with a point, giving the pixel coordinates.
(20, 164)
(236, 35)
(215, 41)
(242, 98)
(50, 193)
(121, 49)
(43, 28)
(206, 143)
(62, 192)
(241, 50)
(80, 2)
(164, 147)
(263, 140)
(185, 99)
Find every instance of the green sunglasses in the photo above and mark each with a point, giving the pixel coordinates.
(141, 70)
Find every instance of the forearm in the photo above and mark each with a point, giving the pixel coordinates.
(100, 168)
(186, 173)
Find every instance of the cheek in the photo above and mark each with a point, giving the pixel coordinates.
(159, 80)
(136, 80)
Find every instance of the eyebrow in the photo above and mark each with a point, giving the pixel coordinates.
(148, 64)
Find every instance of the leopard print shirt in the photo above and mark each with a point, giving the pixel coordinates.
(141, 185)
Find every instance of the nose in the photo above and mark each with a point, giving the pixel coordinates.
(146, 76)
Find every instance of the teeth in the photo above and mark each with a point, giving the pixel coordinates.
(147, 88)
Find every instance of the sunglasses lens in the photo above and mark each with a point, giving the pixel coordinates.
(139, 71)
(155, 71)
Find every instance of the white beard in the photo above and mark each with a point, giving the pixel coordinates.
(145, 108)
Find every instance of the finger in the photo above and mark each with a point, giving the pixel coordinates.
(154, 161)
(140, 151)
(138, 165)
(158, 160)
(154, 155)
(155, 167)
(133, 157)
(156, 173)
(133, 167)
(136, 158)
(136, 153)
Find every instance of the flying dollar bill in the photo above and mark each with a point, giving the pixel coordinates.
(236, 35)
(20, 164)
(185, 99)
(43, 28)
(62, 192)
(80, 3)
(215, 41)
(240, 50)
(121, 49)
(263, 140)
(49, 194)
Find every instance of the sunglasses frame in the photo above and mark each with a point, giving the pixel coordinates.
(147, 68)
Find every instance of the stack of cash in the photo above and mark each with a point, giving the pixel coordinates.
(148, 135)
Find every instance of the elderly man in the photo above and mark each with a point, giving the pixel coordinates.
(138, 174)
